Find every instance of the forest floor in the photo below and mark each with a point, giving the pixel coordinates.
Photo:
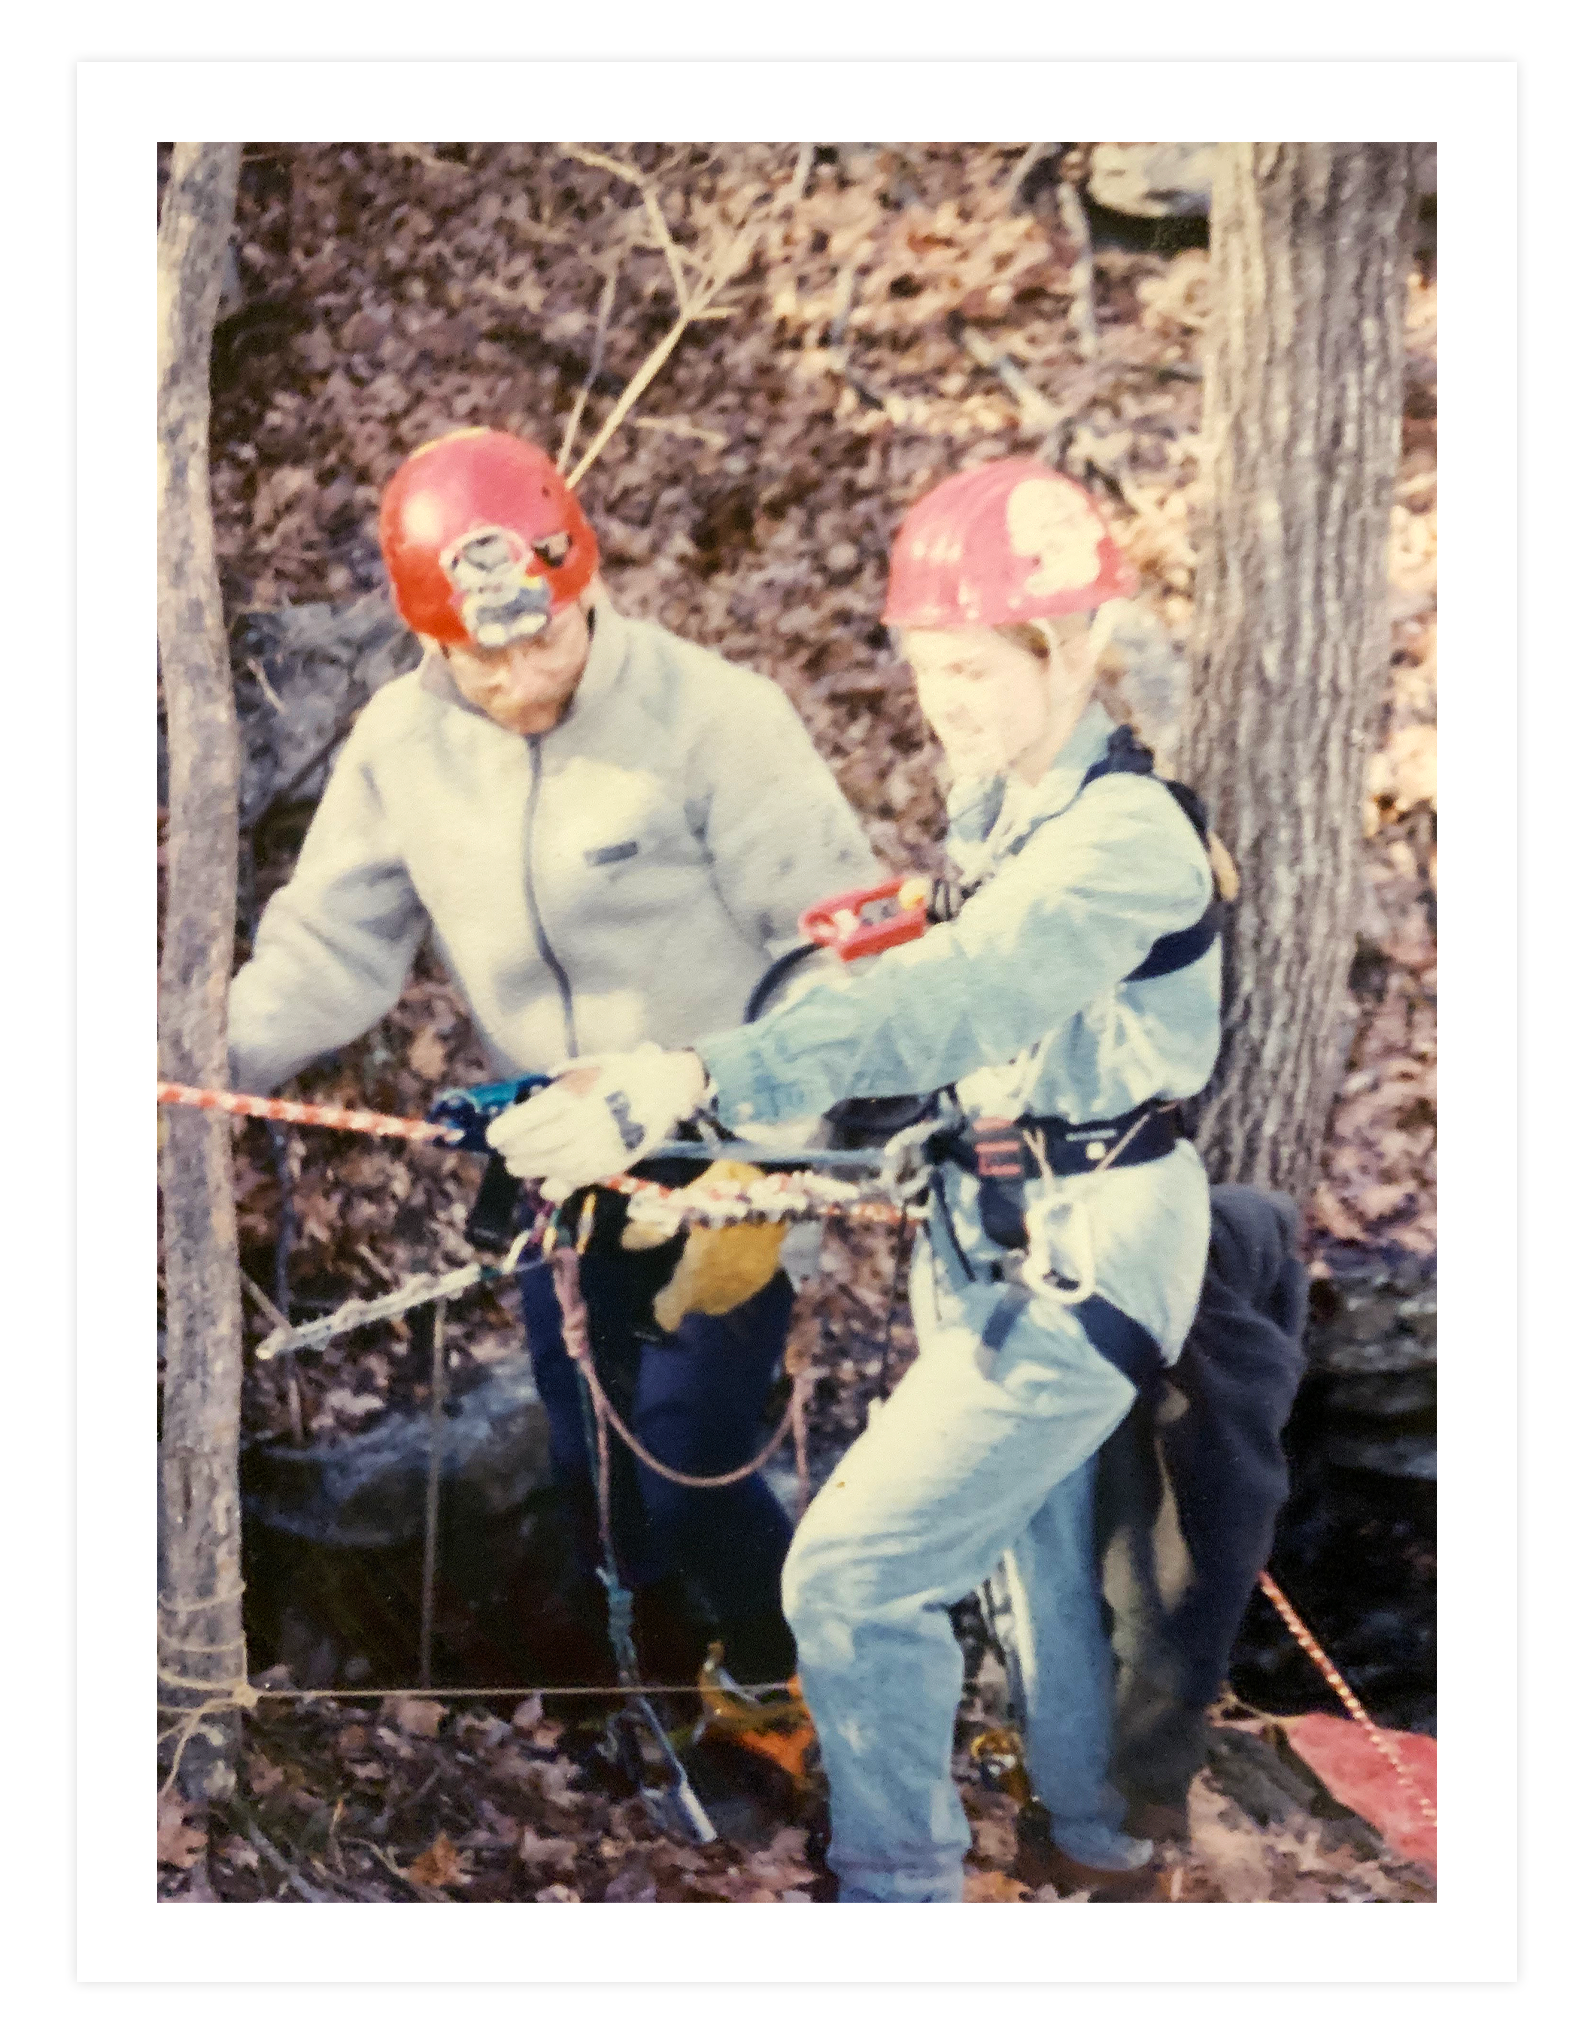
(388, 294)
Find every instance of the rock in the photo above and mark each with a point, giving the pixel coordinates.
(1153, 180)
(1384, 1394)
(1411, 1455)
(319, 661)
(368, 1490)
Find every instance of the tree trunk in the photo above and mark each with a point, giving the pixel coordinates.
(201, 1642)
(1290, 645)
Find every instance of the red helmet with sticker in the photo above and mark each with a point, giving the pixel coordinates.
(1001, 545)
(483, 540)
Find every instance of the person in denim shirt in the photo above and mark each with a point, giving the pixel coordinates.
(1071, 1001)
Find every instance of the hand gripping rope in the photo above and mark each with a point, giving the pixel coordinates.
(778, 1196)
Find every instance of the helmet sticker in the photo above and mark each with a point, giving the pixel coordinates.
(501, 594)
(1053, 522)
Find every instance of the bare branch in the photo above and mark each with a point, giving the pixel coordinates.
(1035, 409)
(639, 383)
(597, 160)
(682, 429)
(603, 315)
(1083, 308)
(416, 152)
(1031, 156)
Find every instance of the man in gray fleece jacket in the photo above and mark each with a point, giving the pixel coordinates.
(608, 834)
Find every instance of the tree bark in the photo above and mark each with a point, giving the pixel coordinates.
(201, 1642)
(1290, 644)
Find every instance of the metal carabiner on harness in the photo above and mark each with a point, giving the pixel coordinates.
(1052, 1211)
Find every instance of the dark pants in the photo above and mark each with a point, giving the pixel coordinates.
(695, 1399)
(1188, 1490)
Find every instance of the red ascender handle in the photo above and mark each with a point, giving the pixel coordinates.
(870, 919)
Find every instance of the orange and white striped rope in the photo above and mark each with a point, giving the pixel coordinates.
(359, 1121)
(775, 1196)
(1298, 1630)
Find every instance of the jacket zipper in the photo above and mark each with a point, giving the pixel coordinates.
(552, 962)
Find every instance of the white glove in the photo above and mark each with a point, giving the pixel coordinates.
(601, 1116)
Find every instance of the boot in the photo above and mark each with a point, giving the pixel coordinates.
(1040, 1862)
(775, 1726)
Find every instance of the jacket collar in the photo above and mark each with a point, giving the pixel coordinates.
(609, 649)
(1075, 758)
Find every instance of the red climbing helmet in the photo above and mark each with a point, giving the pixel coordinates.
(483, 540)
(1000, 545)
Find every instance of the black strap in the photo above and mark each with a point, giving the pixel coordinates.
(1002, 1160)
(1126, 754)
(1112, 1331)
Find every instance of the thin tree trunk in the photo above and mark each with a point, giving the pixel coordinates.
(1290, 644)
(200, 1551)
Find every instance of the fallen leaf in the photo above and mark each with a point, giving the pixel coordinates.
(264, 1776)
(180, 1845)
(419, 1716)
(351, 1404)
(440, 1865)
(633, 1884)
(558, 1854)
(528, 1714)
(197, 1888)
(556, 1893)
(427, 1055)
(1376, 1202)
(1333, 1218)
(987, 1884)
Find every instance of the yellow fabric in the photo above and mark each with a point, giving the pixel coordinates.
(1226, 878)
(720, 1267)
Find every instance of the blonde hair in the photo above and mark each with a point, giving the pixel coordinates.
(1035, 637)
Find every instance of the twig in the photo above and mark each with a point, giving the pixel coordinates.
(274, 1314)
(438, 1394)
(603, 315)
(802, 173)
(683, 430)
(1035, 409)
(268, 801)
(596, 160)
(1031, 156)
(264, 1302)
(278, 1860)
(412, 1887)
(642, 379)
(415, 152)
(1083, 307)
(275, 702)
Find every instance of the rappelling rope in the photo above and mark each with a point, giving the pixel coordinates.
(1298, 1630)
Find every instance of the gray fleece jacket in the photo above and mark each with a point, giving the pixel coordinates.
(625, 878)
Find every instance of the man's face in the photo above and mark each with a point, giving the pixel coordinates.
(986, 699)
(525, 687)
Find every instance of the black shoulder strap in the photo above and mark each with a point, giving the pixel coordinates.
(1127, 754)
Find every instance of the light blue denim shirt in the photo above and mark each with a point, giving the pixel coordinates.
(1022, 1000)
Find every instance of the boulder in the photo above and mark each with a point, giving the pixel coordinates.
(1153, 180)
(368, 1490)
(300, 673)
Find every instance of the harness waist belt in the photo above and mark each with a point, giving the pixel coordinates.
(1000, 1155)
(994, 1148)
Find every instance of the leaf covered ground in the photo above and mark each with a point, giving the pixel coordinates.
(385, 294)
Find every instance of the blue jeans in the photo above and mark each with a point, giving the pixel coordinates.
(956, 1470)
(695, 1399)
